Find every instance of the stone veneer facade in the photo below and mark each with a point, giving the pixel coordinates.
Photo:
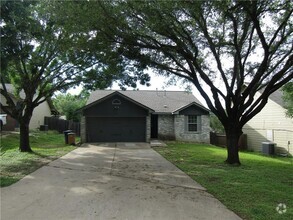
(148, 128)
(173, 127)
(202, 136)
(166, 127)
(82, 130)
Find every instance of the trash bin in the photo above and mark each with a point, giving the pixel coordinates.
(71, 138)
(66, 135)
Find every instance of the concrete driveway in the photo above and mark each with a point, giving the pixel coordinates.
(110, 181)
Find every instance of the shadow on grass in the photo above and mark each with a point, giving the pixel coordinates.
(16, 170)
(266, 179)
(39, 154)
(214, 154)
(9, 143)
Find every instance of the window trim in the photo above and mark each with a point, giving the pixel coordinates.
(198, 123)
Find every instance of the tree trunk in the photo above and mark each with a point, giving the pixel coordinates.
(24, 145)
(233, 136)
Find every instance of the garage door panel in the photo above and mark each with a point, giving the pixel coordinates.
(116, 129)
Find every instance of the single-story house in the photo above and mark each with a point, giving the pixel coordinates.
(271, 125)
(138, 116)
(43, 110)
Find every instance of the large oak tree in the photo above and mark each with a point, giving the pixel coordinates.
(39, 56)
(233, 48)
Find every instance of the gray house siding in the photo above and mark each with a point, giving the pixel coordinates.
(202, 134)
(181, 133)
(166, 127)
(175, 127)
(148, 128)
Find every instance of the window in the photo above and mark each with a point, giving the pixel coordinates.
(116, 102)
(192, 123)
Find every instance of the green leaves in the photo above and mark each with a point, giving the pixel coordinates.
(67, 104)
(288, 98)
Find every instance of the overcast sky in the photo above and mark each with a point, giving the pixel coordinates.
(157, 82)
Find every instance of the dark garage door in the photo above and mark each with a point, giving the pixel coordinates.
(118, 129)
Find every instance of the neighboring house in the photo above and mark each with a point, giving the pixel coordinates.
(138, 116)
(271, 125)
(44, 109)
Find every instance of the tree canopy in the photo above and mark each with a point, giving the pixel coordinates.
(229, 49)
(233, 48)
(69, 105)
(40, 56)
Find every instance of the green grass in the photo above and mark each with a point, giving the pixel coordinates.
(252, 190)
(14, 165)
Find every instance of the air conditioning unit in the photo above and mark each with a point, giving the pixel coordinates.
(43, 127)
(268, 148)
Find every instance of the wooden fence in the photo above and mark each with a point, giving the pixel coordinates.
(220, 140)
(61, 125)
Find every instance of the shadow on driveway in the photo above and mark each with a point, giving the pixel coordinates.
(110, 181)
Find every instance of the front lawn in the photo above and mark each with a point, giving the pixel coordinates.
(252, 190)
(14, 165)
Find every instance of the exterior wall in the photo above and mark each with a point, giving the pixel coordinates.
(271, 124)
(2, 98)
(166, 127)
(202, 136)
(38, 115)
(37, 119)
(148, 128)
(82, 129)
(11, 123)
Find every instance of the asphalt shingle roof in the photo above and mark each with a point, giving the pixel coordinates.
(277, 97)
(159, 101)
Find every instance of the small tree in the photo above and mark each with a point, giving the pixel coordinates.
(68, 105)
(216, 125)
(288, 98)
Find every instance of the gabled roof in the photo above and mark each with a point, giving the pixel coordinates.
(159, 101)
